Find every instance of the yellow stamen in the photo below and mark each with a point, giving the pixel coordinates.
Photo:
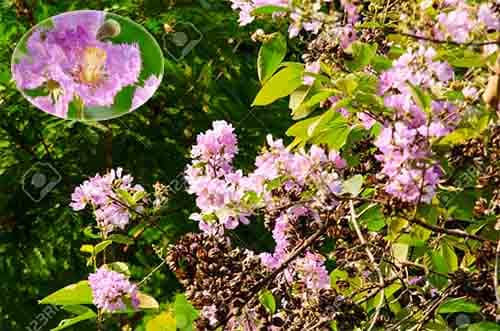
(92, 67)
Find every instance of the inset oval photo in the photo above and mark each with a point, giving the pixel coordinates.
(87, 65)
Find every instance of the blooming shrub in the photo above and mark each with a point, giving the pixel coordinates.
(383, 209)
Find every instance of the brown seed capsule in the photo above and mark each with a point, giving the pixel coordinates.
(109, 29)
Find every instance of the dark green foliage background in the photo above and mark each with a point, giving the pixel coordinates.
(40, 242)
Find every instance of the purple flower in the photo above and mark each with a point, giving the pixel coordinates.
(457, 24)
(226, 197)
(246, 7)
(313, 68)
(72, 64)
(100, 192)
(313, 272)
(145, 92)
(210, 313)
(110, 289)
(416, 280)
(366, 120)
(488, 17)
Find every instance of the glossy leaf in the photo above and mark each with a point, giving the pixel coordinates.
(75, 294)
(72, 321)
(282, 84)
(266, 298)
(271, 53)
(458, 305)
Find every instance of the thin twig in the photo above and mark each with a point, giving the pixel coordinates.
(373, 261)
(451, 232)
(433, 307)
(449, 42)
(152, 272)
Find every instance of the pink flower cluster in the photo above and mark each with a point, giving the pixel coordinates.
(100, 192)
(213, 180)
(227, 198)
(404, 144)
(306, 16)
(312, 271)
(110, 289)
(246, 7)
(459, 21)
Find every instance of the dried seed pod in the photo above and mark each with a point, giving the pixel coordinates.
(109, 29)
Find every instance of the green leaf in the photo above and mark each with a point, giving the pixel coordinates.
(121, 239)
(87, 249)
(77, 309)
(102, 246)
(458, 305)
(332, 129)
(72, 321)
(138, 196)
(120, 267)
(87, 232)
(363, 55)
(353, 185)
(300, 129)
(422, 99)
(283, 83)
(164, 321)
(185, 313)
(465, 58)
(75, 294)
(373, 218)
(266, 298)
(271, 53)
(347, 85)
(267, 10)
(459, 136)
(37, 92)
(125, 196)
(309, 105)
(298, 96)
(449, 255)
(484, 326)
(439, 264)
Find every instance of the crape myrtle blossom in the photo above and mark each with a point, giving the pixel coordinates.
(102, 193)
(246, 7)
(210, 313)
(111, 289)
(313, 272)
(311, 68)
(226, 197)
(70, 63)
(461, 21)
(307, 16)
(406, 155)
